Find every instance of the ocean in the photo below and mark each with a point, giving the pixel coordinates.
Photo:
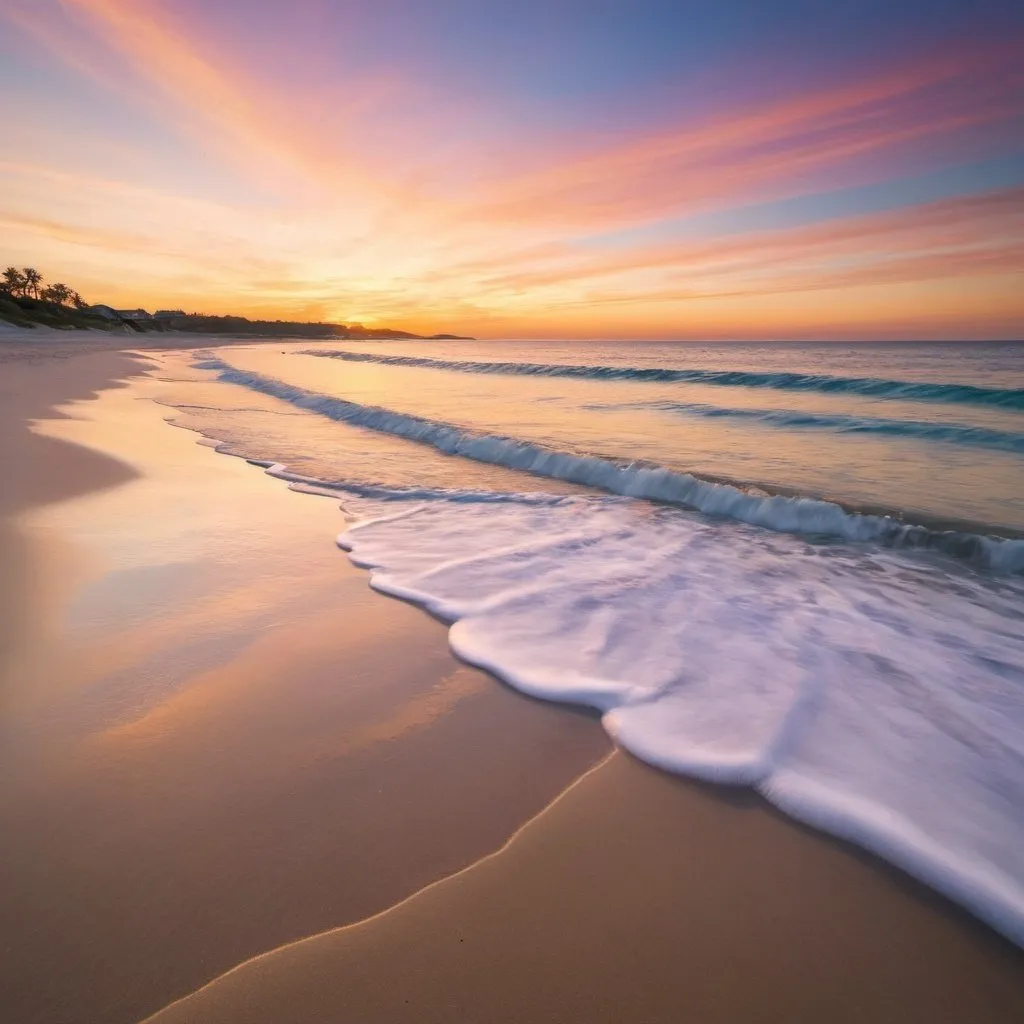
(792, 567)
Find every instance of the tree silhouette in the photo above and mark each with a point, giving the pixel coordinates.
(33, 279)
(26, 283)
(13, 281)
(57, 292)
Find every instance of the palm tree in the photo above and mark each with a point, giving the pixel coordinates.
(13, 281)
(57, 292)
(33, 279)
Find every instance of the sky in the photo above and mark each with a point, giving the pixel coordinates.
(696, 169)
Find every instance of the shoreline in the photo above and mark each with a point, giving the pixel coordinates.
(204, 707)
(814, 930)
(19, 344)
(22, 342)
(972, 895)
(619, 860)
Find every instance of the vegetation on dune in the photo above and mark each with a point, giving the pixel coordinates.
(24, 302)
(25, 284)
(207, 323)
(204, 323)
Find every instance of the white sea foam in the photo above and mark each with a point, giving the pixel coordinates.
(873, 697)
(867, 694)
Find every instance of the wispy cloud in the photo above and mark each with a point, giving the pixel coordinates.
(993, 222)
(236, 113)
(767, 150)
(366, 196)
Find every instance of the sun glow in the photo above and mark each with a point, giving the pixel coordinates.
(385, 193)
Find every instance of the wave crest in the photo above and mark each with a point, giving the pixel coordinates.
(948, 433)
(801, 515)
(871, 387)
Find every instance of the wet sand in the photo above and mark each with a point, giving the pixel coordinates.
(639, 897)
(217, 741)
(37, 470)
(215, 737)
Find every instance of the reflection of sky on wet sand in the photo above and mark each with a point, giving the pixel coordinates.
(199, 595)
(221, 739)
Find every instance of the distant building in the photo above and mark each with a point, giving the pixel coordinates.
(168, 314)
(133, 314)
(104, 311)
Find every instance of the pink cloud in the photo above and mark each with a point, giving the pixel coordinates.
(765, 151)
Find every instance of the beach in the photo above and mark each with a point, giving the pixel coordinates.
(242, 786)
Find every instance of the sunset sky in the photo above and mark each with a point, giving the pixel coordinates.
(544, 168)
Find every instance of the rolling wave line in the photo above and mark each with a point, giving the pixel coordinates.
(871, 387)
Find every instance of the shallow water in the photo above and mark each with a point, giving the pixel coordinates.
(955, 453)
(792, 612)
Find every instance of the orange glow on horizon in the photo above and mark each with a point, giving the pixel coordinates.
(422, 230)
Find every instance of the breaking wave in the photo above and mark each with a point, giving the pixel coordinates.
(875, 697)
(801, 515)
